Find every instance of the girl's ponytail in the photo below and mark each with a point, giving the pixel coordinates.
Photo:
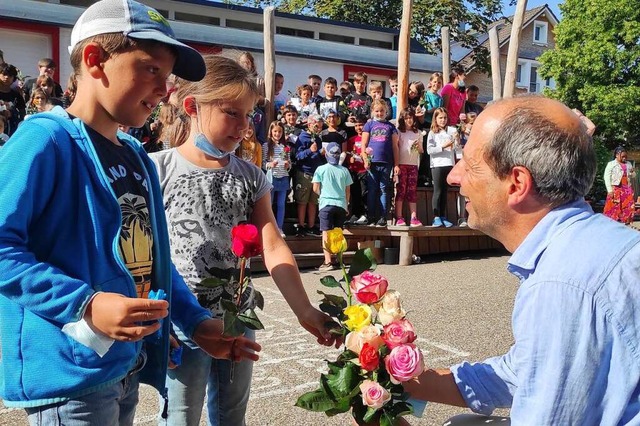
(176, 124)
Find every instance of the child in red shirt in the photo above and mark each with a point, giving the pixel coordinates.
(355, 164)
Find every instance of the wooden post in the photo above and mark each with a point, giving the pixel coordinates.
(496, 76)
(406, 249)
(404, 53)
(269, 61)
(446, 54)
(514, 45)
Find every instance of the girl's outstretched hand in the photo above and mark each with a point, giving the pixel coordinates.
(318, 323)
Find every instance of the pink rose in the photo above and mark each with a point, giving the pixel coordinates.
(373, 394)
(398, 333)
(369, 334)
(368, 287)
(404, 363)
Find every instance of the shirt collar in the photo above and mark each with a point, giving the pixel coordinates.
(524, 259)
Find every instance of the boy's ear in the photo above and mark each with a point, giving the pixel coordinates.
(93, 57)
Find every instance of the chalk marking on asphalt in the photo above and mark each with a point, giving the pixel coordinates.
(284, 391)
(457, 352)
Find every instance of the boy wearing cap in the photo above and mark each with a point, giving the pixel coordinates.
(331, 182)
(332, 133)
(83, 236)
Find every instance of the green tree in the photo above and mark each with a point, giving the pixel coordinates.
(427, 19)
(596, 65)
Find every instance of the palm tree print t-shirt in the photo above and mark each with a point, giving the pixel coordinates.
(128, 181)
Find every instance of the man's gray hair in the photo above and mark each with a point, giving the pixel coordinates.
(561, 161)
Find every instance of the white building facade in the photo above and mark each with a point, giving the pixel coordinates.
(32, 29)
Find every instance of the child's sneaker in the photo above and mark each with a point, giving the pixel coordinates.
(400, 222)
(437, 222)
(362, 220)
(352, 220)
(326, 267)
(415, 222)
(446, 223)
(381, 222)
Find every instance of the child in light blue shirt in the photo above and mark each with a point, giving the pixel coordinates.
(331, 182)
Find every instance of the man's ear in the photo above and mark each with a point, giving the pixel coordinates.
(93, 58)
(521, 186)
(190, 107)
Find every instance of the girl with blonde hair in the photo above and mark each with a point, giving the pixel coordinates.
(207, 191)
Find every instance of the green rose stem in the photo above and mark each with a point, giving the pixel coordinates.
(346, 280)
(243, 262)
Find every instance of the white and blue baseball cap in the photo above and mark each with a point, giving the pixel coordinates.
(332, 153)
(135, 20)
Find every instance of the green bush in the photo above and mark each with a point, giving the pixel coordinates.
(598, 191)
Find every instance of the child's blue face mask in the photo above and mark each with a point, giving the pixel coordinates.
(203, 144)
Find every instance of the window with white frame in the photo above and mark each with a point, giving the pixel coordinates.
(521, 70)
(528, 77)
(540, 29)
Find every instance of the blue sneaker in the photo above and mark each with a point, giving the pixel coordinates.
(446, 222)
(437, 222)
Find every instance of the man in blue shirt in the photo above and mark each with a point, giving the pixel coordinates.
(576, 322)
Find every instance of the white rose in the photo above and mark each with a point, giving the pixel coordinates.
(391, 308)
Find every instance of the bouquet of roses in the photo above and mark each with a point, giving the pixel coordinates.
(379, 353)
(245, 243)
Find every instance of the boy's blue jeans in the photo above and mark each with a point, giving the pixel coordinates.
(378, 180)
(198, 374)
(114, 405)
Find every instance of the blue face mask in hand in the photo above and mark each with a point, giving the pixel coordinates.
(203, 144)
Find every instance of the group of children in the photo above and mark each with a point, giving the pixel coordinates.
(379, 153)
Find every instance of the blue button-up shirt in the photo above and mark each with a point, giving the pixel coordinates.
(576, 324)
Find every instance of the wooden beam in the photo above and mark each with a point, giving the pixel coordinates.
(514, 45)
(446, 54)
(404, 52)
(496, 76)
(269, 61)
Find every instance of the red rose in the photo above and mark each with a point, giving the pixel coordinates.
(287, 149)
(245, 241)
(369, 358)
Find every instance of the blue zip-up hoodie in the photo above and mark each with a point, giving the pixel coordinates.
(59, 231)
(308, 161)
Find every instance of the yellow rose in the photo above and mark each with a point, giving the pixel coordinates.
(358, 316)
(336, 243)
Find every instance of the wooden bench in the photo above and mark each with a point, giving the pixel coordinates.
(407, 235)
